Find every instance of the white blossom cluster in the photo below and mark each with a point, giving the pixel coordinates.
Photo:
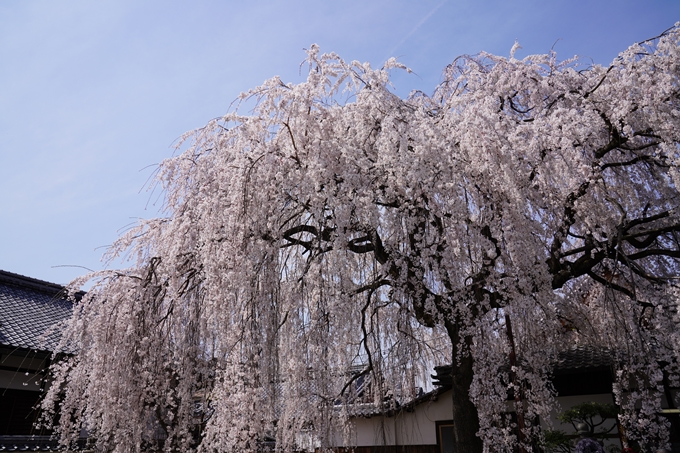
(337, 227)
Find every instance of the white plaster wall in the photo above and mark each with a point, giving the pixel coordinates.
(418, 427)
(406, 428)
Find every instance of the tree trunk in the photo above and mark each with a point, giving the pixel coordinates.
(465, 416)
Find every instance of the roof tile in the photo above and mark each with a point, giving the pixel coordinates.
(29, 308)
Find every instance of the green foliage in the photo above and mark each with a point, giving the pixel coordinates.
(556, 441)
(585, 412)
(594, 415)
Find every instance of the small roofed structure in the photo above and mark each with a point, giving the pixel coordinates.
(580, 374)
(31, 312)
(423, 425)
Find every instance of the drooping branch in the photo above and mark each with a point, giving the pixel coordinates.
(329, 227)
(617, 248)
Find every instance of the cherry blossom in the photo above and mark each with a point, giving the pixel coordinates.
(337, 234)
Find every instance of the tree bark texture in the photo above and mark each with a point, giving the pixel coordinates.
(465, 416)
(464, 413)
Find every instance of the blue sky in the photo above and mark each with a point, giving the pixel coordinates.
(93, 94)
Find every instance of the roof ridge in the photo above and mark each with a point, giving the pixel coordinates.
(13, 279)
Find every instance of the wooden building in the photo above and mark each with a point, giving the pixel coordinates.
(30, 314)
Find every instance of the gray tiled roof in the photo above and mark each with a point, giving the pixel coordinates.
(29, 308)
(575, 359)
(572, 360)
(582, 357)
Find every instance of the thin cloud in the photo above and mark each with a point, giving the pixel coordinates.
(415, 29)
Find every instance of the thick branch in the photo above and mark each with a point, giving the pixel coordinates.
(633, 161)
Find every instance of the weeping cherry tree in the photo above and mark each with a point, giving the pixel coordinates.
(338, 233)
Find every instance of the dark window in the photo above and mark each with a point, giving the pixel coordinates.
(17, 412)
(588, 381)
(445, 436)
